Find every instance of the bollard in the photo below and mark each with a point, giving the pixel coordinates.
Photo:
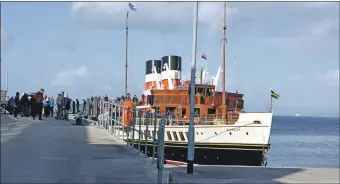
(160, 150)
(79, 119)
(154, 138)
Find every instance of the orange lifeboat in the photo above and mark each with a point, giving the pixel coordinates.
(127, 115)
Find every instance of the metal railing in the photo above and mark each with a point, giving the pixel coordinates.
(125, 123)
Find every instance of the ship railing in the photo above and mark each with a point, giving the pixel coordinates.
(125, 123)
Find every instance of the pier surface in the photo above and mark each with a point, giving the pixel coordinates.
(52, 151)
(243, 174)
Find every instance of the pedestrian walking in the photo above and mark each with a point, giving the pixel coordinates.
(38, 96)
(16, 105)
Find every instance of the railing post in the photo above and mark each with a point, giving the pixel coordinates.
(147, 135)
(115, 121)
(160, 150)
(139, 131)
(154, 138)
(133, 127)
(110, 118)
(99, 120)
(128, 126)
(118, 123)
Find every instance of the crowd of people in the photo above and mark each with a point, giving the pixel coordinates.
(38, 105)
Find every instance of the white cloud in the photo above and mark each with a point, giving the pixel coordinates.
(70, 78)
(316, 38)
(157, 16)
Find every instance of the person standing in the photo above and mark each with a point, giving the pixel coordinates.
(39, 96)
(77, 105)
(46, 107)
(66, 106)
(51, 106)
(84, 106)
(59, 105)
(16, 105)
(24, 104)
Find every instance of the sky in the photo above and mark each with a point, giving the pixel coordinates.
(292, 47)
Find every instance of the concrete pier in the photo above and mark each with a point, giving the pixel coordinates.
(52, 151)
(242, 174)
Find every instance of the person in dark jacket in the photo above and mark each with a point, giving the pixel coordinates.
(77, 105)
(16, 105)
(39, 97)
(11, 104)
(24, 105)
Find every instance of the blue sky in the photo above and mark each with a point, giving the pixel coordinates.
(80, 47)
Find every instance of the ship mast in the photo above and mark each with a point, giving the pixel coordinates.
(224, 40)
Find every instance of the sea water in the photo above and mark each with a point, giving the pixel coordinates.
(298, 141)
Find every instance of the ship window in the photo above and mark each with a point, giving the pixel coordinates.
(187, 134)
(141, 135)
(211, 111)
(149, 134)
(240, 104)
(197, 111)
(150, 99)
(200, 90)
(184, 111)
(210, 92)
(169, 135)
(257, 122)
(175, 136)
(181, 136)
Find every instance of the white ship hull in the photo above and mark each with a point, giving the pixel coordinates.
(244, 143)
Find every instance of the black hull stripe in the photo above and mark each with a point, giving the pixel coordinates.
(211, 146)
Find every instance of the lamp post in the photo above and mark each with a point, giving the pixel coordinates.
(191, 140)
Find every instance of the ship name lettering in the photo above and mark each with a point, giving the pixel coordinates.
(234, 129)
